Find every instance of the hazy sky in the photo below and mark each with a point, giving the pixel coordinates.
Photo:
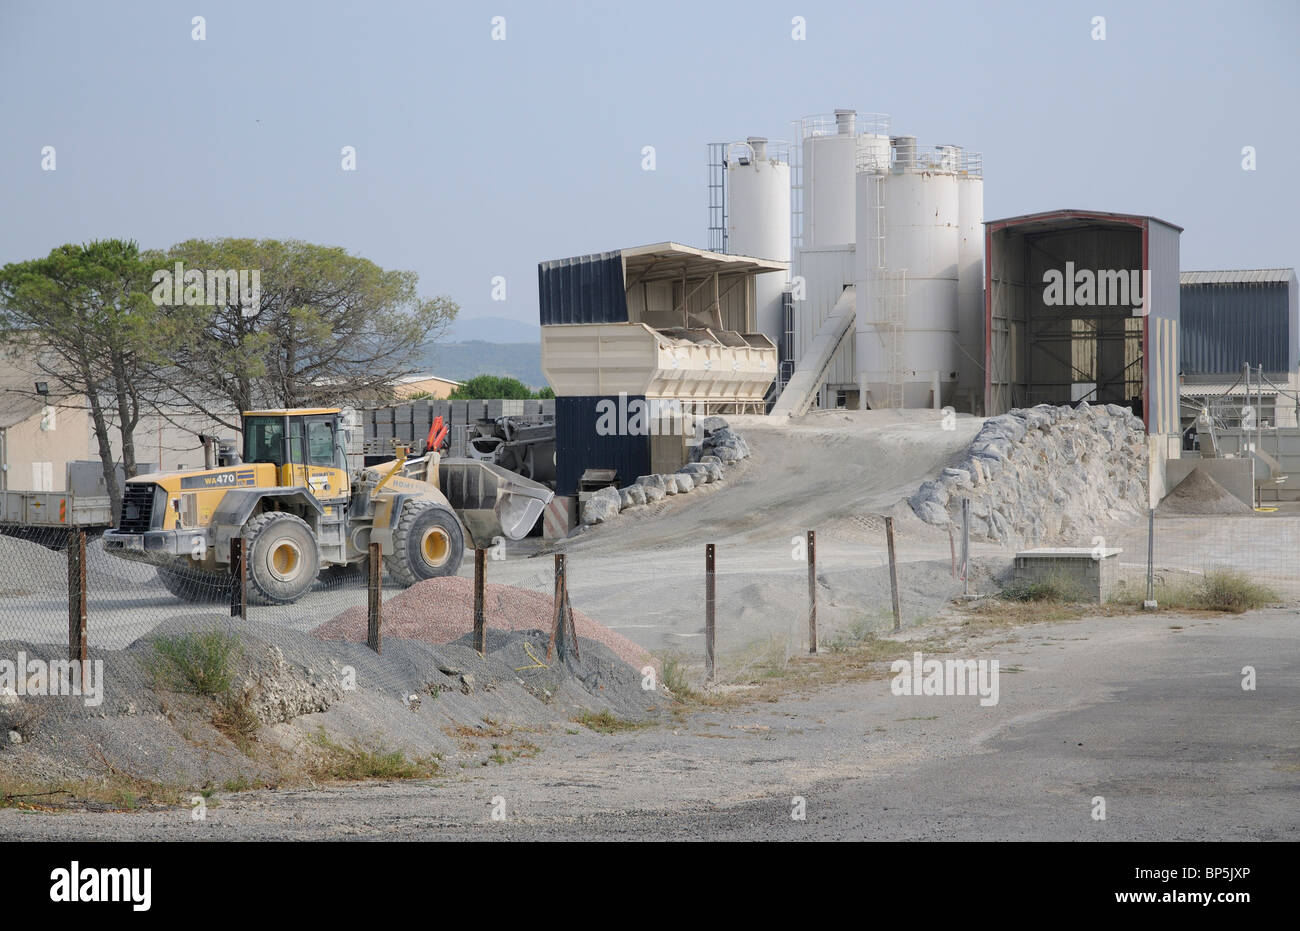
(478, 158)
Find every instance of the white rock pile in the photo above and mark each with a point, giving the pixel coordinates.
(1045, 474)
(721, 446)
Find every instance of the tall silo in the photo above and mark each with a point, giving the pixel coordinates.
(829, 150)
(970, 283)
(758, 220)
(906, 275)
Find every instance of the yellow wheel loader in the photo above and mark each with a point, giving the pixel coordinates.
(291, 498)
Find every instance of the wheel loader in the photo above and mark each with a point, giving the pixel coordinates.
(300, 512)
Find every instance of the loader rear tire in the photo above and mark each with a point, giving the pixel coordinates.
(283, 559)
(195, 585)
(427, 543)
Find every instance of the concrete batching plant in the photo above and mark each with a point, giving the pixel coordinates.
(911, 346)
(885, 302)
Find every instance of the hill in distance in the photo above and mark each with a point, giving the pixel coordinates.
(460, 361)
(492, 330)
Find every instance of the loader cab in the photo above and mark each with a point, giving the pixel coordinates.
(303, 445)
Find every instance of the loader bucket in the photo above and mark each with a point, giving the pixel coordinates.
(491, 501)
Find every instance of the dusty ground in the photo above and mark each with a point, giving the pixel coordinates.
(1128, 708)
(1146, 711)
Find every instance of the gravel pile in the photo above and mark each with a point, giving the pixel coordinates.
(30, 567)
(1044, 474)
(440, 611)
(1199, 493)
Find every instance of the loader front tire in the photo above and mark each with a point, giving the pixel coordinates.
(195, 585)
(427, 543)
(283, 560)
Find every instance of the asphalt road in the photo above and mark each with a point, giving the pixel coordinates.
(1147, 712)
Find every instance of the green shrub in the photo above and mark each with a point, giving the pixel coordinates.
(201, 663)
(1227, 590)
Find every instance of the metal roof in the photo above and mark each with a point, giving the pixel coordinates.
(1068, 218)
(668, 260)
(1243, 275)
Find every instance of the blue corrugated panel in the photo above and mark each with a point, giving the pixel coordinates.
(579, 445)
(1231, 324)
(584, 289)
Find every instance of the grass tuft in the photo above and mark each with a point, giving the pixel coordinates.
(356, 762)
(1227, 590)
(673, 675)
(1056, 589)
(201, 664)
(234, 717)
(606, 723)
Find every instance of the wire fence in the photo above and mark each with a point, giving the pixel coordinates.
(1186, 551)
(141, 632)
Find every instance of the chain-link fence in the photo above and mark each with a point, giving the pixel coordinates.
(147, 632)
(1186, 553)
(141, 631)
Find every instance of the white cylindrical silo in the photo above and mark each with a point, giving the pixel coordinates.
(830, 148)
(970, 284)
(758, 221)
(829, 163)
(906, 341)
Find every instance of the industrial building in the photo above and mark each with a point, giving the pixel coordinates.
(884, 303)
(853, 267)
(639, 342)
(1232, 320)
(1083, 305)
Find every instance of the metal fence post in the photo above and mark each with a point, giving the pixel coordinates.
(480, 611)
(374, 598)
(710, 591)
(564, 633)
(558, 631)
(238, 579)
(1149, 603)
(965, 546)
(893, 573)
(812, 591)
(77, 597)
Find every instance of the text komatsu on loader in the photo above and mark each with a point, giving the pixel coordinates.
(292, 499)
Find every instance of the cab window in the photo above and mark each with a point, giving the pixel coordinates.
(320, 441)
(295, 440)
(264, 440)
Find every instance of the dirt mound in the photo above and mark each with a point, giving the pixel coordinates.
(442, 610)
(1199, 493)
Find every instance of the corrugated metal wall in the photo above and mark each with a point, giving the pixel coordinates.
(1050, 350)
(579, 446)
(654, 303)
(1005, 318)
(1032, 345)
(1230, 324)
(584, 289)
(1164, 330)
(826, 272)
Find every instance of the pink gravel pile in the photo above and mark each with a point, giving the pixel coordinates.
(442, 610)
